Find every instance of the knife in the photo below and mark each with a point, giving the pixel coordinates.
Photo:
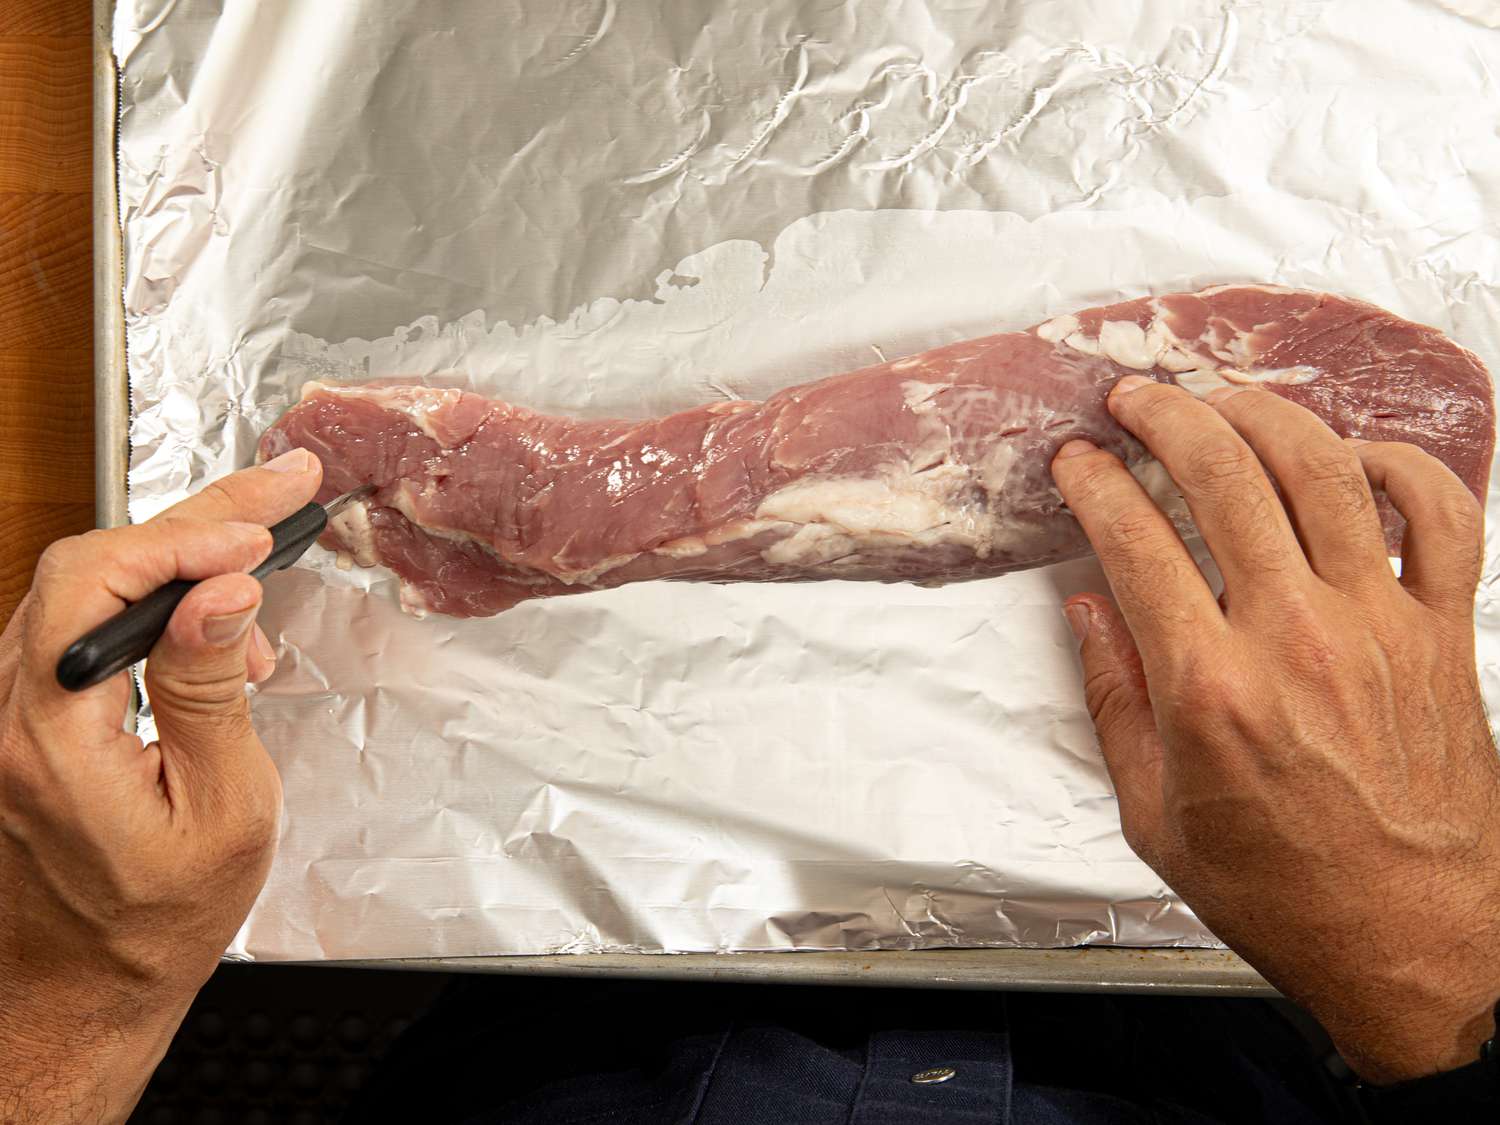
(129, 635)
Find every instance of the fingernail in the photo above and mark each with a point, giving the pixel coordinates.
(262, 644)
(1078, 620)
(292, 461)
(227, 628)
(1355, 441)
(1075, 448)
(1219, 394)
(1132, 383)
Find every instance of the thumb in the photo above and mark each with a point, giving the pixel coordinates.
(1114, 688)
(212, 760)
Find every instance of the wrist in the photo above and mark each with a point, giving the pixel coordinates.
(87, 1043)
(1409, 1036)
(1407, 1000)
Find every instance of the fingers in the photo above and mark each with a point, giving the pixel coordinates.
(1442, 554)
(1323, 484)
(263, 495)
(195, 677)
(1232, 501)
(1114, 687)
(1159, 588)
(80, 582)
(260, 657)
(221, 529)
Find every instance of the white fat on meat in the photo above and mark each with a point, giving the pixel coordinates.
(688, 547)
(812, 545)
(413, 602)
(1124, 341)
(1198, 365)
(935, 434)
(352, 526)
(928, 501)
(1058, 329)
(918, 396)
(839, 516)
(1202, 381)
(694, 546)
(997, 466)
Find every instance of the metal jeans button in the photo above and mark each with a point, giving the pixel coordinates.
(933, 1076)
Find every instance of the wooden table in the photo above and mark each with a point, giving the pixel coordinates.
(46, 303)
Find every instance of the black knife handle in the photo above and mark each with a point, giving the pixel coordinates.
(128, 636)
(291, 538)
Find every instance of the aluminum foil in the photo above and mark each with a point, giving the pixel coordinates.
(615, 208)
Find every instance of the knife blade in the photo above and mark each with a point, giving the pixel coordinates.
(128, 636)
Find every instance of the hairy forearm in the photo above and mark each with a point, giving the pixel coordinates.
(79, 1051)
(1416, 999)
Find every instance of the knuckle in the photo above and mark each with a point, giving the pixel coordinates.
(1216, 463)
(169, 525)
(1195, 695)
(200, 693)
(1320, 464)
(1402, 451)
(1304, 633)
(1159, 403)
(220, 492)
(1133, 528)
(1107, 696)
(1155, 580)
(64, 556)
(1459, 514)
(1408, 460)
(1308, 642)
(1254, 524)
(1338, 478)
(1089, 477)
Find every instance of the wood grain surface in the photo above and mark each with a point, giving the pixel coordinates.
(46, 17)
(46, 305)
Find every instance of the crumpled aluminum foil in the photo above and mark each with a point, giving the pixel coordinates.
(622, 208)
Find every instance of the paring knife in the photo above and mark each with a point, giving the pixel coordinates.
(129, 635)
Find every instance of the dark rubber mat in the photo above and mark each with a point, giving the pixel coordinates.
(283, 1044)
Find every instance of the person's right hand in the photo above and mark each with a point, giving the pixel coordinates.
(1308, 763)
(125, 869)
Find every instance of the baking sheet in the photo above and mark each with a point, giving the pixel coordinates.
(624, 210)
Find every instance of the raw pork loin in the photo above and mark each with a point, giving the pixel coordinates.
(928, 469)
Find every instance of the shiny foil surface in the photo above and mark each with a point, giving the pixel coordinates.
(615, 208)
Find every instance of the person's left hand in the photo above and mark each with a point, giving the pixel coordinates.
(126, 869)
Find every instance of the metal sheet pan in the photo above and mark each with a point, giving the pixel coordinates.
(111, 395)
(1199, 972)
(1086, 969)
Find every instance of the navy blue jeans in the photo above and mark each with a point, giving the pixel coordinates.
(564, 1052)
